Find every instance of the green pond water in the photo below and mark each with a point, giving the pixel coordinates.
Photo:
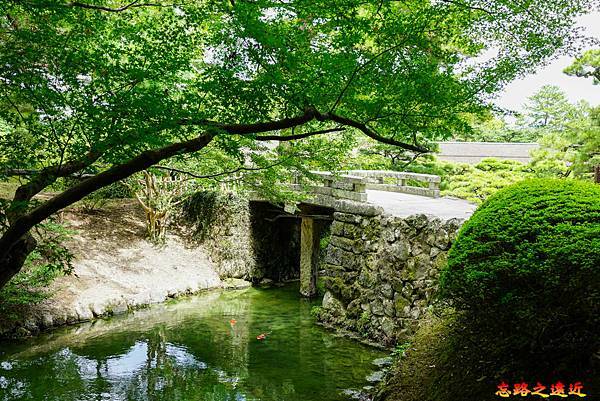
(192, 350)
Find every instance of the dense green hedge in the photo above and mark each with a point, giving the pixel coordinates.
(526, 266)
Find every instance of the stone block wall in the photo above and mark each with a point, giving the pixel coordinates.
(381, 272)
(243, 238)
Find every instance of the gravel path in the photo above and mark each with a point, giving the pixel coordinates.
(403, 205)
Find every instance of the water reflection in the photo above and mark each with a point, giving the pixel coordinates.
(191, 351)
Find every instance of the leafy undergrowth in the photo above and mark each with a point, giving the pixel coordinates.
(48, 261)
(27, 288)
(445, 362)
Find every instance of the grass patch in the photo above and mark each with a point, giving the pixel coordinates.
(447, 362)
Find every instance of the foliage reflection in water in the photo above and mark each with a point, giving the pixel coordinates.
(204, 348)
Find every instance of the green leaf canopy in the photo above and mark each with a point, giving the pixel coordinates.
(117, 78)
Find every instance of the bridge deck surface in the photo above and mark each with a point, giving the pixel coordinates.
(403, 205)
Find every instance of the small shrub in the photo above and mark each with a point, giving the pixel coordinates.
(363, 323)
(321, 289)
(400, 349)
(324, 242)
(315, 311)
(98, 199)
(477, 183)
(93, 203)
(525, 269)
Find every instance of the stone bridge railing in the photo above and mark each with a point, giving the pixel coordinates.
(398, 181)
(353, 184)
(343, 186)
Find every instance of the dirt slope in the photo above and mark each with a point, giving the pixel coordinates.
(117, 269)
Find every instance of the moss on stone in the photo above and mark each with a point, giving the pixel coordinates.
(400, 303)
(339, 288)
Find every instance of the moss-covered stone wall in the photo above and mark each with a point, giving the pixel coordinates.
(244, 239)
(221, 222)
(381, 272)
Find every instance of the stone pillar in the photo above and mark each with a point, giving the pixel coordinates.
(309, 256)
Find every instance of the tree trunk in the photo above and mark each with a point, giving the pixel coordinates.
(597, 174)
(15, 259)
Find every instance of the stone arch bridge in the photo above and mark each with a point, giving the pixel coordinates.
(389, 235)
(349, 203)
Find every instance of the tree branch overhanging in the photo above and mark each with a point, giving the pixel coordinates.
(374, 135)
(220, 174)
(22, 224)
(17, 234)
(284, 138)
(42, 178)
(133, 4)
(310, 114)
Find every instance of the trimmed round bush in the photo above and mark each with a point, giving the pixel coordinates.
(526, 266)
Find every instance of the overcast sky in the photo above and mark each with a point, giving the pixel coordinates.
(517, 92)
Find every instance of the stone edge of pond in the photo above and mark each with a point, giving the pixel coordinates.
(353, 336)
(31, 325)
